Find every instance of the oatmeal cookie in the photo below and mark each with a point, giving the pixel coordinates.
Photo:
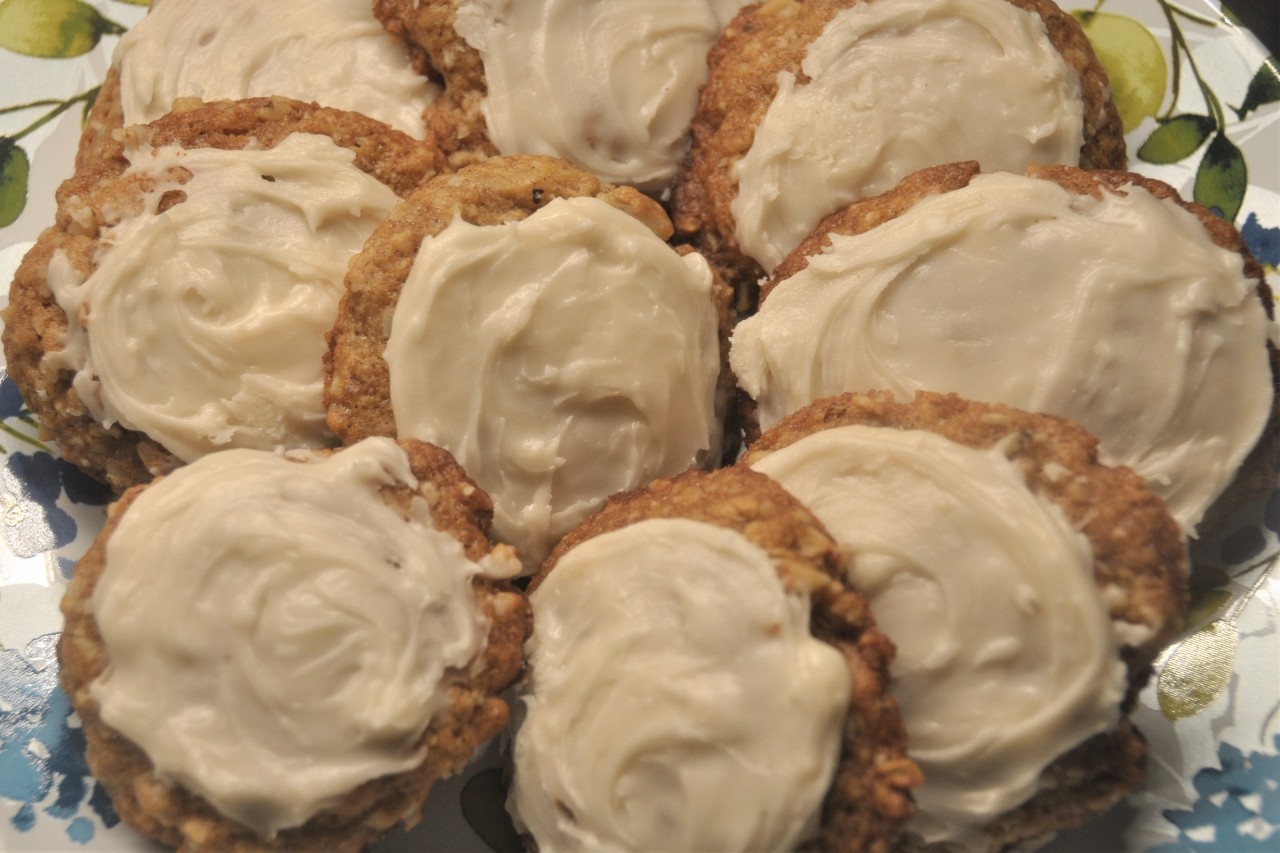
(1059, 291)
(276, 731)
(624, 573)
(611, 87)
(138, 253)
(771, 156)
(1016, 740)
(331, 52)
(532, 319)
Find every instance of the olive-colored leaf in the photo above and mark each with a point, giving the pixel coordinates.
(1264, 88)
(1222, 178)
(137, 2)
(15, 170)
(1176, 139)
(1198, 670)
(52, 28)
(1133, 59)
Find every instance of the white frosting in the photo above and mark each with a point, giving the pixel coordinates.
(333, 52)
(203, 326)
(894, 86)
(610, 86)
(1119, 312)
(277, 634)
(560, 359)
(678, 701)
(1006, 655)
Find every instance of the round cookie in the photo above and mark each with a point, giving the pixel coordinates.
(311, 688)
(553, 341)
(366, 165)
(777, 46)
(1103, 576)
(330, 52)
(1064, 290)
(755, 522)
(611, 87)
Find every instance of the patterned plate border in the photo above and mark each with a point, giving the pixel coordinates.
(1199, 97)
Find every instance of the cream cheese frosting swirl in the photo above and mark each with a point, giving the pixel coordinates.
(1119, 312)
(678, 700)
(1006, 654)
(332, 52)
(278, 634)
(561, 359)
(610, 86)
(203, 325)
(893, 86)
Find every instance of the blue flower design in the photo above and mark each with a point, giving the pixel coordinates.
(34, 523)
(39, 751)
(1238, 807)
(1263, 243)
(80, 488)
(11, 403)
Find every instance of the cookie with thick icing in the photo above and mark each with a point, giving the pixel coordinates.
(1027, 586)
(285, 651)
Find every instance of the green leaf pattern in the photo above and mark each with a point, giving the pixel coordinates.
(44, 29)
(1176, 139)
(15, 170)
(1264, 89)
(1222, 178)
(15, 166)
(1222, 175)
(1198, 669)
(52, 28)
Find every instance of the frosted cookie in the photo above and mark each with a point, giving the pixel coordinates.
(285, 652)
(533, 321)
(1026, 586)
(701, 679)
(331, 52)
(812, 105)
(611, 87)
(1099, 296)
(179, 304)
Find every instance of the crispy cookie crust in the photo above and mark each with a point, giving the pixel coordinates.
(1257, 474)
(774, 36)
(100, 141)
(1140, 560)
(171, 814)
(869, 800)
(455, 118)
(106, 116)
(93, 201)
(502, 189)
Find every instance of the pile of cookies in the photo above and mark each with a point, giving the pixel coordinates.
(785, 420)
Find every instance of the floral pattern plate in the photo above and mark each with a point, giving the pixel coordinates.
(1201, 103)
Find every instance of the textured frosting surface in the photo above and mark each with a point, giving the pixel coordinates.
(333, 52)
(203, 325)
(678, 699)
(894, 86)
(610, 86)
(560, 359)
(1006, 656)
(1118, 312)
(276, 633)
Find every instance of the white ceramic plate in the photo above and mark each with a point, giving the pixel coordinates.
(1212, 129)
